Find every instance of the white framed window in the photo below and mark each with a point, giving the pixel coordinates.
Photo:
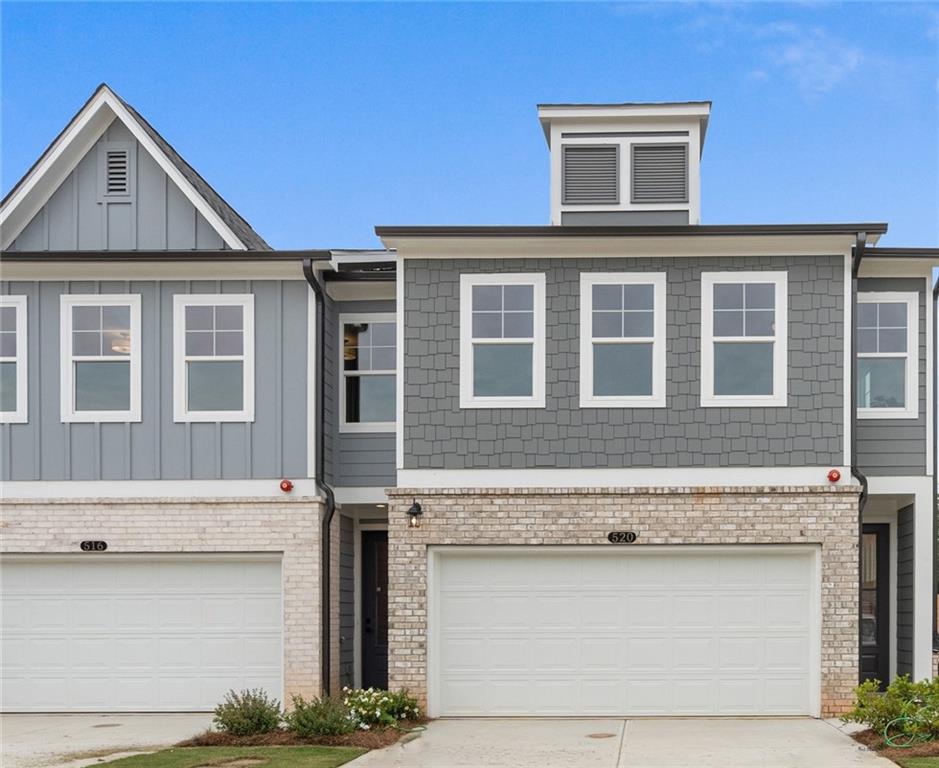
(744, 339)
(368, 355)
(100, 367)
(14, 405)
(622, 339)
(502, 347)
(888, 355)
(213, 357)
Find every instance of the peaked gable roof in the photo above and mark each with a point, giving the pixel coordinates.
(38, 184)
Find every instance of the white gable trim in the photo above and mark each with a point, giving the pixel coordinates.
(68, 150)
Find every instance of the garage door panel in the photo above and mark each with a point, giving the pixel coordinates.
(147, 634)
(622, 632)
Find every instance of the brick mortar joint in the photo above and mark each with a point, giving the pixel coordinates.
(684, 490)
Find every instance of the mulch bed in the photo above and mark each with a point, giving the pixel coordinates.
(375, 738)
(875, 741)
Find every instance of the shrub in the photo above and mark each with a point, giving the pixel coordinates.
(902, 698)
(319, 717)
(373, 706)
(247, 713)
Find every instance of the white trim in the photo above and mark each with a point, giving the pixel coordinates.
(363, 317)
(930, 373)
(848, 367)
(436, 551)
(537, 341)
(780, 341)
(371, 494)
(654, 477)
(399, 377)
(339, 291)
(86, 128)
(923, 586)
(312, 371)
(148, 489)
(21, 360)
(67, 301)
(587, 281)
(872, 266)
(911, 356)
(181, 413)
(58, 270)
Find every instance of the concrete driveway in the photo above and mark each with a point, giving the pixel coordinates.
(647, 743)
(36, 741)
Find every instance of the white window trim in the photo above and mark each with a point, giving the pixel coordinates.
(67, 378)
(779, 397)
(364, 317)
(180, 409)
(911, 299)
(20, 415)
(537, 397)
(587, 281)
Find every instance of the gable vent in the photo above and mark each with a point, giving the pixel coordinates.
(660, 173)
(589, 174)
(118, 172)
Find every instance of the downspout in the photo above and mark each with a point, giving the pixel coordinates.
(325, 639)
(857, 256)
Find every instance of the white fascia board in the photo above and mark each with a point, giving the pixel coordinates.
(144, 489)
(363, 495)
(659, 477)
(154, 270)
(871, 266)
(71, 147)
(620, 112)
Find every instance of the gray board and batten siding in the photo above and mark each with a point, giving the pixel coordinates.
(438, 434)
(353, 459)
(155, 215)
(897, 446)
(273, 446)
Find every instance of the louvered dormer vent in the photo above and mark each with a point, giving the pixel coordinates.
(117, 169)
(590, 175)
(660, 173)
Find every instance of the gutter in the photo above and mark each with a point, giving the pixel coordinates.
(856, 258)
(325, 639)
(68, 257)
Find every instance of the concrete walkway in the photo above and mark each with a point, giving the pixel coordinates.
(645, 743)
(73, 741)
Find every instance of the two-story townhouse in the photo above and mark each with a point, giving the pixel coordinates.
(622, 464)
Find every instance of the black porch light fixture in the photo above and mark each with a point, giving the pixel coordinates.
(415, 513)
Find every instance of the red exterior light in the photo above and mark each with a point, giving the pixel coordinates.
(834, 476)
(286, 486)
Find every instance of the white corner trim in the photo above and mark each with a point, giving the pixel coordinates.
(19, 415)
(657, 477)
(363, 317)
(68, 413)
(779, 398)
(181, 412)
(911, 299)
(930, 374)
(848, 364)
(399, 355)
(149, 489)
(467, 398)
(587, 281)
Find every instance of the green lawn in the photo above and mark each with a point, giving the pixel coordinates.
(918, 762)
(272, 757)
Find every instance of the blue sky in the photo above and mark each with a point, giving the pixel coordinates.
(319, 121)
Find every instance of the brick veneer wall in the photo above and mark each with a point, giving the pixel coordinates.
(786, 515)
(170, 525)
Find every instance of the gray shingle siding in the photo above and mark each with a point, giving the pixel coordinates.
(897, 446)
(905, 607)
(439, 435)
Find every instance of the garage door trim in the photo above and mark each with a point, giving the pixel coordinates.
(435, 553)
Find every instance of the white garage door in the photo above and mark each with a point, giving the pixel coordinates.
(137, 633)
(623, 631)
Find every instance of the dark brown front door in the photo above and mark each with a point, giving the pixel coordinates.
(375, 609)
(875, 602)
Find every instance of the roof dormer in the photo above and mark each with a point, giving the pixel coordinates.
(616, 164)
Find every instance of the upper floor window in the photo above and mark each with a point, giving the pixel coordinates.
(367, 389)
(100, 369)
(213, 351)
(502, 350)
(887, 366)
(743, 339)
(622, 340)
(13, 369)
